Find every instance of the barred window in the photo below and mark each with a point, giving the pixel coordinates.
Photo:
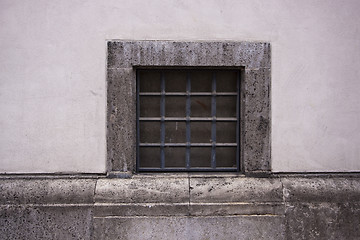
(188, 106)
(188, 119)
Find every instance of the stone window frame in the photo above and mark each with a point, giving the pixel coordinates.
(254, 60)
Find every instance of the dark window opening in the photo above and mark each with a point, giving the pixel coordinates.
(188, 120)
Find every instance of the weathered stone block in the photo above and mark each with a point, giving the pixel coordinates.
(317, 189)
(121, 124)
(143, 190)
(235, 189)
(47, 191)
(217, 228)
(126, 54)
(45, 222)
(328, 221)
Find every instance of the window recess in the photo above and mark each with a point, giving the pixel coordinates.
(188, 120)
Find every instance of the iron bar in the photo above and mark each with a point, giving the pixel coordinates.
(191, 119)
(193, 169)
(213, 123)
(186, 144)
(162, 123)
(188, 112)
(191, 94)
(137, 121)
(238, 105)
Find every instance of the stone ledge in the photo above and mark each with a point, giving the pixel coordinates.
(315, 189)
(180, 189)
(232, 189)
(180, 206)
(236, 209)
(139, 190)
(141, 209)
(47, 191)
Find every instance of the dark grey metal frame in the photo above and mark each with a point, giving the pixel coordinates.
(125, 56)
(188, 119)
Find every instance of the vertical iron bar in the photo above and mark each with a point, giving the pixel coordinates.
(137, 120)
(238, 105)
(162, 124)
(213, 123)
(188, 111)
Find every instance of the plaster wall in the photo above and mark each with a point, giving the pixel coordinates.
(53, 71)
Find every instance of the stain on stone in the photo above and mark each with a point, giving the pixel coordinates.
(263, 125)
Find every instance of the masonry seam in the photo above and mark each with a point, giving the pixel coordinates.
(92, 212)
(282, 190)
(189, 195)
(286, 206)
(95, 190)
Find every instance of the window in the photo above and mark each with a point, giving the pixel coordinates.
(188, 119)
(197, 63)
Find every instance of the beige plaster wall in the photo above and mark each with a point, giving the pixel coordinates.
(53, 63)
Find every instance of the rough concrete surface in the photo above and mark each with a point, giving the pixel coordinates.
(194, 228)
(323, 221)
(140, 190)
(182, 206)
(45, 222)
(121, 128)
(126, 54)
(256, 129)
(235, 189)
(45, 191)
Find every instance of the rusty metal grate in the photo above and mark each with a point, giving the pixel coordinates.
(188, 120)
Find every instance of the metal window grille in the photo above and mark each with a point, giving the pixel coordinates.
(188, 120)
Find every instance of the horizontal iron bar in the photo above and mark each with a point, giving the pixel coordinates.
(190, 144)
(194, 119)
(191, 169)
(191, 94)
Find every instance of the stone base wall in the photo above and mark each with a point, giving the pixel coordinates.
(181, 206)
